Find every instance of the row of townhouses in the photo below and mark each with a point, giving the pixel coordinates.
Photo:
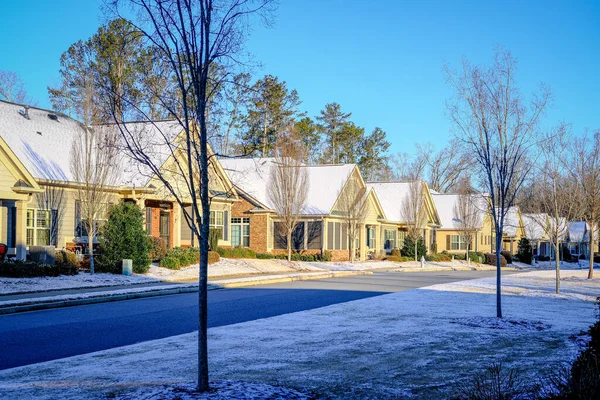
(35, 159)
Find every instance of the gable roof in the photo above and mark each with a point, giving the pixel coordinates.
(535, 225)
(392, 195)
(511, 221)
(446, 204)
(252, 176)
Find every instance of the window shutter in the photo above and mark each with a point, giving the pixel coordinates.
(447, 242)
(225, 225)
(77, 231)
(330, 235)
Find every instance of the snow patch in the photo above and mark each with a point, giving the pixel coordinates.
(502, 323)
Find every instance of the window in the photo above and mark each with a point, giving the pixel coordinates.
(38, 227)
(280, 236)
(371, 237)
(390, 239)
(337, 236)
(240, 232)
(401, 236)
(216, 222)
(314, 235)
(81, 228)
(457, 242)
(149, 220)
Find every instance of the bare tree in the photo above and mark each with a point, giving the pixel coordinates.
(12, 88)
(444, 167)
(352, 208)
(191, 37)
(467, 213)
(586, 171)
(414, 213)
(491, 118)
(558, 195)
(54, 199)
(288, 185)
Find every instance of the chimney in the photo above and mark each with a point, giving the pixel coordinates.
(26, 114)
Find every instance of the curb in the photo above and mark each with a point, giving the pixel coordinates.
(215, 285)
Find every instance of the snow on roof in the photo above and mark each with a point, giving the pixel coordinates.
(511, 221)
(391, 196)
(154, 138)
(446, 205)
(535, 225)
(41, 143)
(44, 140)
(252, 176)
(579, 231)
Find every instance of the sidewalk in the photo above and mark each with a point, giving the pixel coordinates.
(14, 303)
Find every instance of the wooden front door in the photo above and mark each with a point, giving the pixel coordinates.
(164, 227)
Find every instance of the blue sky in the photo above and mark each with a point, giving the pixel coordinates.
(381, 60)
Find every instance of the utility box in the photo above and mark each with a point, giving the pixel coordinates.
(127, 267)
(42, 254)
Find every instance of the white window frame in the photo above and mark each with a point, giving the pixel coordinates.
(33, 229)
(457, 242)
(244, 224)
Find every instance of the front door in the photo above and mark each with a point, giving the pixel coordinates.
(164, 227)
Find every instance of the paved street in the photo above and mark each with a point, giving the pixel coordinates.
(38, 336)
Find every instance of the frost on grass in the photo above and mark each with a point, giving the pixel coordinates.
(397, 345)
(501, 323)
(220, 390)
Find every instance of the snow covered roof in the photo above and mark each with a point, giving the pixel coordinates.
(446, 205)
(42, 141)
(511, 221)
(392, 196)
(579, 232)
(535, 225)
(252, 176)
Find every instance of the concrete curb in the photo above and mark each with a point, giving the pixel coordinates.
(153, 292)
(451, 269)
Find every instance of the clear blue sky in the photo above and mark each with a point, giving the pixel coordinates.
(381, 60)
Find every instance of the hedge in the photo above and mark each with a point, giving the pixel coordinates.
(490, 259)
(399, 259)
(30, 269)
(236, 252)
(169, 263)
(437, 257)
(158, 248)
(65, 258)
(178, 257)
(507, 255)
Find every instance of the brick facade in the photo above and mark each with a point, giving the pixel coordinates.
(155, 221)
(258, 224)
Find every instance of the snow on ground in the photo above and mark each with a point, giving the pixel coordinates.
(582, 264)
(81, 280)
(419, 343)
(356, 266)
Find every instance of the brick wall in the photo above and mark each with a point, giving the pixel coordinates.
(155, 224)
(258, 224)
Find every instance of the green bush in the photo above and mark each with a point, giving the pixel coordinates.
(476, 256)
(300, 257)
(124, 238)
(399, 258)
(395, 253)
(169, 262)
(214, 234)
(438, 257)
(185, 255)
(327, 255)
(408, 250)
(65, 258)
(30, 269)
(158, 248)
(213, 257)
(236, 252)
(490, 259)
(524, 251)
(507, 256)
(264, 256)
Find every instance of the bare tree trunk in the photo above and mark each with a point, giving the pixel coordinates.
(467, 256)
(591, 272)
(289, 246)
(91, 250)
(557, 262)
(498, 275)
(416, 245)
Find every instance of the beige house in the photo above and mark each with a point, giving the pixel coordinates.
(452, 232)
(39, 199)
(393, 229)
(323, 222)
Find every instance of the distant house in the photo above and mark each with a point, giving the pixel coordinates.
(513, 230)
(392, 196)
(578, 239)
(35, 158)
(322, 225)
(450, 234)
(537, 227)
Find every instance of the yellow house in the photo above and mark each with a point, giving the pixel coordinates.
(452, 232)
(39, 203)
(392, 196)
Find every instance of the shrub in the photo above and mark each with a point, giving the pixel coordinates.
(185, 256)
(299, 257)
(476, 256)
(30, 269)
(408, 249)
(124, 238)
(507, 256)
(65, 258)
(544, 258)
(438, 257)
(566, 254)
(214, 234)
(524, 251)
(213, 257)
(490, 259)
(236, 252)
(264, 256)
(327, 255)
(597, 257)
(399, 258)
(158, 248)
(169, 262)
(395, 253)
(495, 383)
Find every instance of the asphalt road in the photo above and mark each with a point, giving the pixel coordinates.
(38, 336)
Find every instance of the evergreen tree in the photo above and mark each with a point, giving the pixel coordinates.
(123, 237)
(372, 158)
(331, 121)
(311, 139)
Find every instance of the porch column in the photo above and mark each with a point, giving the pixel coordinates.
(363, 242)
(21, 230)
(176, 215)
